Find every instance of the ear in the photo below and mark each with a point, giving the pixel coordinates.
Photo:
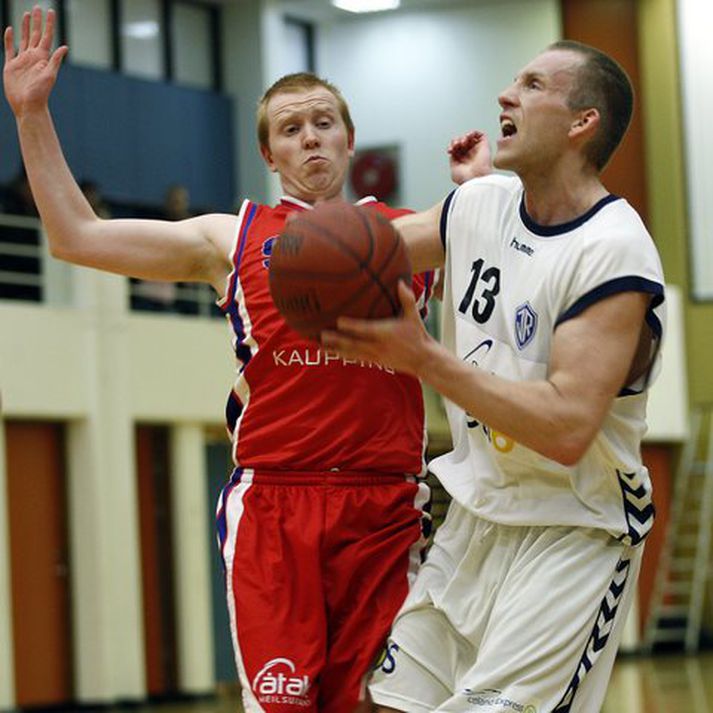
(267, 156)
(350, 144)
(585, 124)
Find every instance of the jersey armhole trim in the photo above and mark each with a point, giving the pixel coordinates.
(245, 217)
(444, 217)
(630, 283)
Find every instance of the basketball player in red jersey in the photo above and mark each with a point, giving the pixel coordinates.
(319, 526)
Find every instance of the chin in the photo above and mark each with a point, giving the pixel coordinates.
(502, 162)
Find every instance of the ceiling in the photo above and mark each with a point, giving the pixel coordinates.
(324, 11)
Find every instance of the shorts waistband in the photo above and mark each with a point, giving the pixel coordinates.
(331, 478)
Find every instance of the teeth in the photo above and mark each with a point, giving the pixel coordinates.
(507, 127)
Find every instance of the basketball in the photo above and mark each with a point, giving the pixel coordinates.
(337, 260)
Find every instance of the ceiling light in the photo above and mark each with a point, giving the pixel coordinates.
(142, 30)
(366, 5)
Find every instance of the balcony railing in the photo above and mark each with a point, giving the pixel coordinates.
(28, 273)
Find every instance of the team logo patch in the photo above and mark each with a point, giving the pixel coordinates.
(525, 325)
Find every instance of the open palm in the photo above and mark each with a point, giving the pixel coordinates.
(31, 71)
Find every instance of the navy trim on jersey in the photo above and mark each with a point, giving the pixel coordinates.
(444, 216)
(630, 283)
(242, 352)
(550, 230)
(638, 505)
(221, 523)
(233, 409)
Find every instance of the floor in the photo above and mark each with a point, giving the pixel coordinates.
(662, 684)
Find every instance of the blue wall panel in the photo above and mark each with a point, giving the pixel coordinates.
(136, 137)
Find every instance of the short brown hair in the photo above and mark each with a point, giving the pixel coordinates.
(298, 82)
(602, 84)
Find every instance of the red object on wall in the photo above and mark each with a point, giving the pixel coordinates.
(659, 461)
(373, 173)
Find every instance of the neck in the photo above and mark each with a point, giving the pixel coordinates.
(554, 200)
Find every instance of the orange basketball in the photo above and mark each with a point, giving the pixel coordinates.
(337, 260)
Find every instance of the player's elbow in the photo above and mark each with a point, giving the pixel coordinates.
(572, 443)
(70, 244)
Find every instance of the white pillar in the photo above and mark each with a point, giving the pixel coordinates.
(7, 670)
(194, 626)
(103, 503)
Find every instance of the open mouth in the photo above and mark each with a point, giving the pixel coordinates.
(507, 128)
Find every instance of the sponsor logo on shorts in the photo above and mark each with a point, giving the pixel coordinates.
(278, 682)
(494, 698)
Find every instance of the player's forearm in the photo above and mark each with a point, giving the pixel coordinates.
(66, 215)
(536, 414)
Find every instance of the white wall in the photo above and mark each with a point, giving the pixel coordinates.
(695, 19)
(417, 79)
(101, 369)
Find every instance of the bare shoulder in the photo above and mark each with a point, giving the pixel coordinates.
(219, 229)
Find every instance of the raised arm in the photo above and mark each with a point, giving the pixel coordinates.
(191, 250)
(593, 356)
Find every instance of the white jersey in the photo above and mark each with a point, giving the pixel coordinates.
(508, 284)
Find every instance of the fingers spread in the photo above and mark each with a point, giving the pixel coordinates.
(47, 36)
(36, 33)
(56, 60)
(9, 44)
(25, 32)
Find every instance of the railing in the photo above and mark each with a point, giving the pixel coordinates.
(28, 273)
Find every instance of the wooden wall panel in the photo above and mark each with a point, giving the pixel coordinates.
(39, 564)
(612, 26)
(156, 560)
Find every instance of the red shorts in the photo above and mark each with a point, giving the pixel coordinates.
(317, 566)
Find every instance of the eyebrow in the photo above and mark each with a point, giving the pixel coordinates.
(530, 74)
(289, 113)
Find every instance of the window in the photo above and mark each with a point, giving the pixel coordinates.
(191, 44)
(89, 32)
(142, 39)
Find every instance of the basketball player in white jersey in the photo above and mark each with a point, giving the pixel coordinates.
(551, 327)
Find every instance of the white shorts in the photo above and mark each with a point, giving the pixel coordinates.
(505, 619)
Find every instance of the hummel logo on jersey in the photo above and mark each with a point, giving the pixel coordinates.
(522, 247)
(525, 325)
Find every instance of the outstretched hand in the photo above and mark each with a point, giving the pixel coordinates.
(469, 156)
(31, 71)
(400, 343)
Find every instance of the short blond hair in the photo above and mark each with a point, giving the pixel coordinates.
(298, 82)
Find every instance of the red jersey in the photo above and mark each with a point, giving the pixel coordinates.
(295, 406)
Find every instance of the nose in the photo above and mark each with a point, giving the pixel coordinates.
(310, 136)
(506, 98)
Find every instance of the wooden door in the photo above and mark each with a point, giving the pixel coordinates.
(153, 472)
(42, 641)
